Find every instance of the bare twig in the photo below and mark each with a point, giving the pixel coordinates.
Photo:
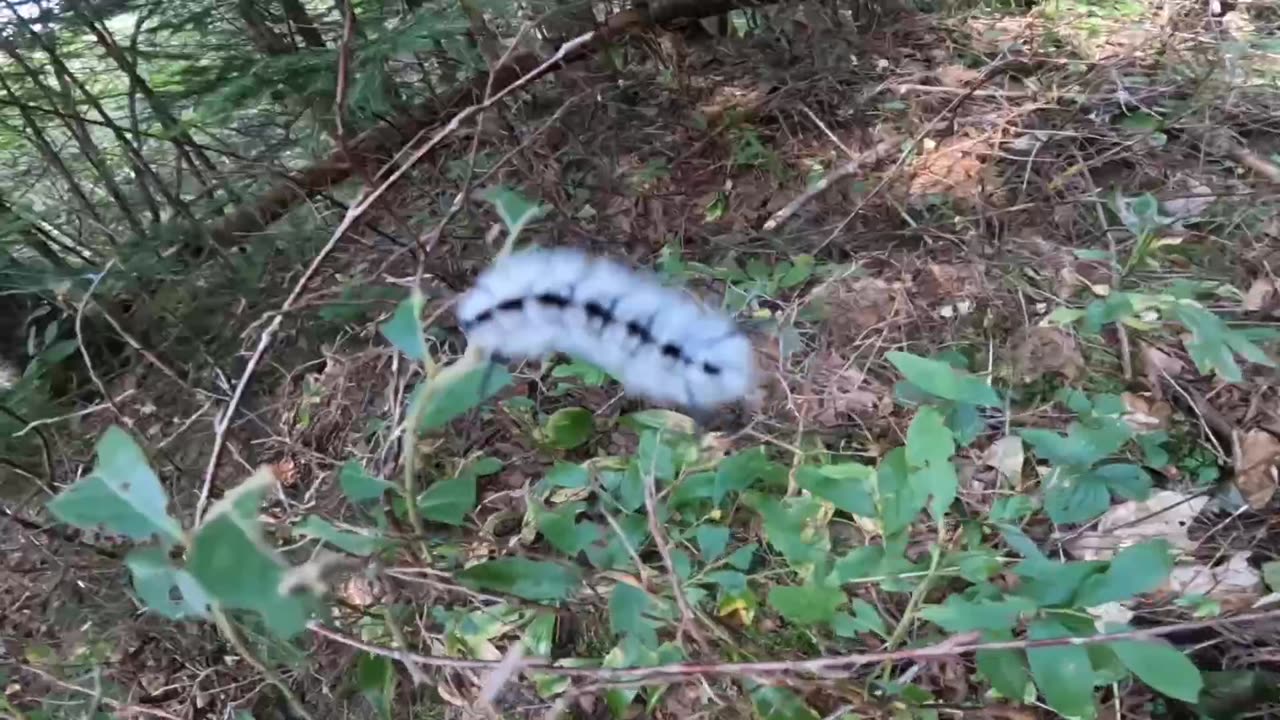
(84, 351)
(344, 64)
(860, 160)
(119, 707)
(79, 413)
(824, 666)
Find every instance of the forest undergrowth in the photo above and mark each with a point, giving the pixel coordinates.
(1009, 273)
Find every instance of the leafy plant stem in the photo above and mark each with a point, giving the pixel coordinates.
(228, 630)
(908, 616)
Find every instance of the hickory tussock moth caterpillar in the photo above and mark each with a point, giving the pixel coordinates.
(659, 343)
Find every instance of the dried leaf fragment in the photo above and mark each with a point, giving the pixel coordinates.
(1165, 514)
(1041, 350)
(1257, 452)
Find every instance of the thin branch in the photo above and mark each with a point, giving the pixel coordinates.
(826, 666)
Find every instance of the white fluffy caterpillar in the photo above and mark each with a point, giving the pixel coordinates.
(659, 343)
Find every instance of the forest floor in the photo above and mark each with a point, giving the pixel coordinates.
(979, 174)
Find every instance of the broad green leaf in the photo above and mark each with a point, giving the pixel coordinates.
(358, 485)
(627, 606)
(848, 486)
(1055, 584)
(801, 270)
(1128, 481)
(739, 472)
(458, 393)
(539, 636)
(1071, 496)
(1062, 672)
(167, 590)
(660, 419)
(1161, 666)
(788, 525)
(568, 475)
(515, 209)
(231, 559)
(1271, 575)
(122, 495)
(561, 528)
(534, 580)
(449, 501)
(1006, 669)
(404, 329)
(778, 703)
(943, 380)
(930, 446)
(960, 615)
(1082, 446)
(807, 605)
(1134, 570)
(712, 540)
(865, 618)
(352, 542)
(897, 498)
(742, 557)
(569, 427)
(376, 678)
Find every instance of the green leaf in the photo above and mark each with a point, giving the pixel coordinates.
(739, 472)
(930, 446)
(865, 618)
(569, 427)
(358, 485)
(459, 393)
(1071, 496)
(807, 605)
(165, 589)
(530, 579)
(1006, 669)
(376, 678)
(897, 498)
(848, 486)
(1134, 570)
(778, 703)
(1082, 446)
(404, 329)
(515, 209)
(1054, 584)
(122, 494)
(960, 615)
(1161, 666)
(449, 501)
(230, 557)
(1062, 672)
(801, 270)
(788, 527)
(1271, 575)
(352, 542)
(561, 528)
(939, 378)
(627, 605)
(712, 540)
(660, 419)
(568, 475)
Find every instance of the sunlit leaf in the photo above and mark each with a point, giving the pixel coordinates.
(1134, 570)
(807, 605)
(930, 446)
(960, 615)
(515, 209)
(352, 542)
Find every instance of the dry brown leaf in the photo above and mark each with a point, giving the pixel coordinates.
(1145, 415)
(1039, 351)
(833, 391)
(1262, 295)
(1257, 452)
(1156, 363)
(860, 304)
(1233, 578)
(1165, 514)
(1006, 455)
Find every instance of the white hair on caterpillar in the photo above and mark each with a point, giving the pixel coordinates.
(658, 342)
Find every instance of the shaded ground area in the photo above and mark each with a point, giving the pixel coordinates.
(928, 184)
